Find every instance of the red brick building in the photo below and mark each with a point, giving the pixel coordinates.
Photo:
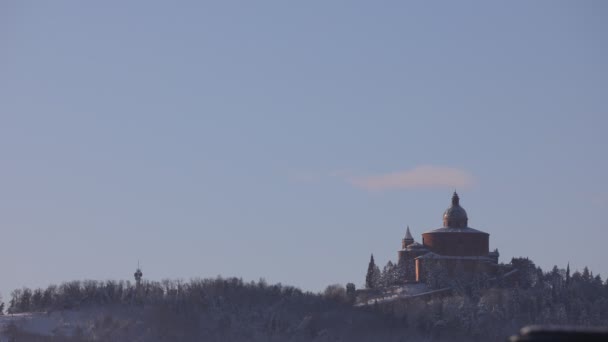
(452, 250)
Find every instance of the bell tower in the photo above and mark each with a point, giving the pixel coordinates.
(408, 239)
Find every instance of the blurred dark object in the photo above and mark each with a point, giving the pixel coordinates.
(560, 333)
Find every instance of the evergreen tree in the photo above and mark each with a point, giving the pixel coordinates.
(568, 274)
(586, 274)
(387, 276)
(597, 280)
(372, 279)
(400, 272)
(377, 277)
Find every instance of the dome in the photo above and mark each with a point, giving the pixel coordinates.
(455, 216)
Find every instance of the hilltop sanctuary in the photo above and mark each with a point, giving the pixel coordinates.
(452, 250)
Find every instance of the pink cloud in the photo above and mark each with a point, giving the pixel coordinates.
(424, 176)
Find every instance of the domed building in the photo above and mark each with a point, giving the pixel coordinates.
(452, 249)
(456, 238)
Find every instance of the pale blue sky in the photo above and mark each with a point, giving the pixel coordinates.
(244, 138)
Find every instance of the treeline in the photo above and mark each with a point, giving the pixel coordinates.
(492, 312)
(224, 309)
(559, 296)
(198, 292)
(391, 274)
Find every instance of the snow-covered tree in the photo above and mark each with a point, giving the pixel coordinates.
(392, 274)
(387, 275)
(435, 275)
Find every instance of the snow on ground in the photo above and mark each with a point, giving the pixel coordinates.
(69, 322)
(35, 321)
(41, 323)
(49, 324)
(396, 292)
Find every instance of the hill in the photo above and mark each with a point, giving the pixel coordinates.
(228, 309)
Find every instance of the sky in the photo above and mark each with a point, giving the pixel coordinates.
(290, 140)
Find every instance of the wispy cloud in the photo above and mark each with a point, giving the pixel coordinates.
(424, 176)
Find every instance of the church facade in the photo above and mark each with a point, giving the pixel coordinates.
(454, 250)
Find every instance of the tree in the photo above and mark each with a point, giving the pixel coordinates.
(586, 275)
(568, 274)
(372, 278)
(395, 274)
(335, 292)
(36, 302)
(435, 274)
(597, 281)
(388, 275)
(351, 292)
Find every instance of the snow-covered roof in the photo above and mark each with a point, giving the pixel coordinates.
(415, 245)
(456, 230)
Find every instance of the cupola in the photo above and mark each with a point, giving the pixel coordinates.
(455, 216)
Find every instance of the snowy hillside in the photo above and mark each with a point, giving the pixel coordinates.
(228, 309)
